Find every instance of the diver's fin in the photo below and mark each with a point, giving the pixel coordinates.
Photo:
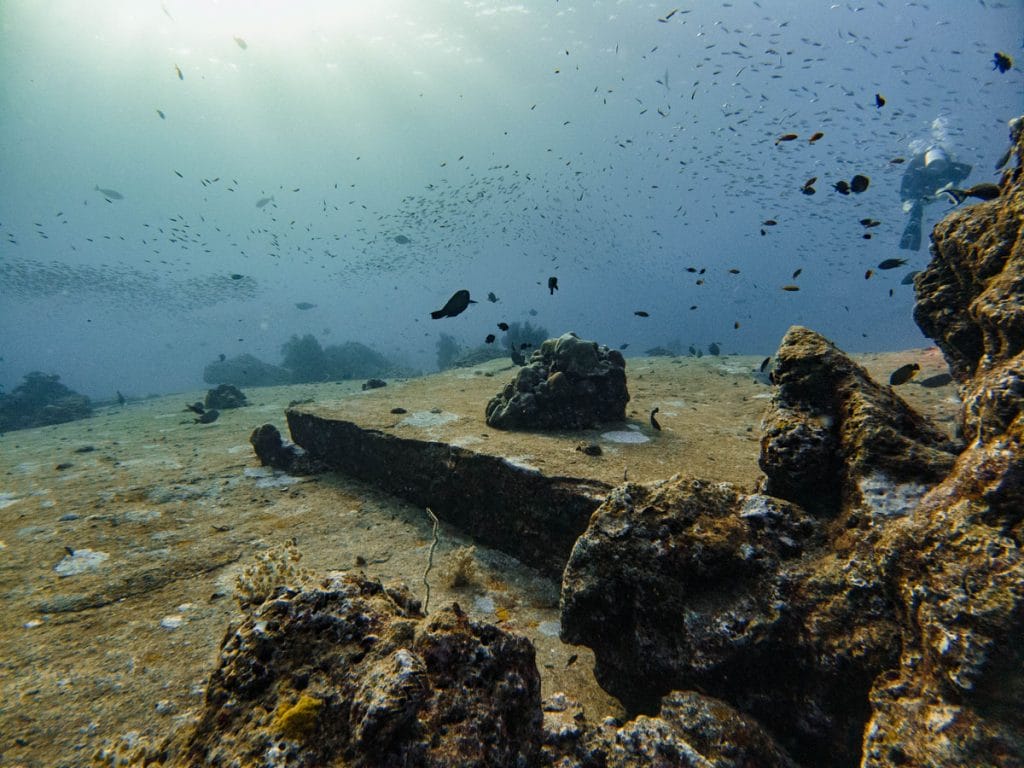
(956, 195)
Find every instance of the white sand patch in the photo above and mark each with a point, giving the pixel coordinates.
(81, 561)
(427, 419)
(625, 436)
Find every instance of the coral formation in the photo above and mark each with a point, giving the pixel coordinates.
(277, 567)
(569, 384)
(224, 397)
(460, 567)
(41, 400)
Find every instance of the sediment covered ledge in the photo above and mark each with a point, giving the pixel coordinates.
(514, 508)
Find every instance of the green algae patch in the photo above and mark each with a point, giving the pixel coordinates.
(296, 721)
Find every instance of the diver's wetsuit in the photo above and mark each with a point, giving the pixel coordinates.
(919, 185)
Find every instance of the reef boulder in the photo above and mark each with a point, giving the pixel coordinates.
(41, 400)
(351, 672)
(225, 397)
(835, 439)
(569, 384)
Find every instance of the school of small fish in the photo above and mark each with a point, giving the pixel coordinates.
(697, 105)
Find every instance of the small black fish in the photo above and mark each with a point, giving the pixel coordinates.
(879, 100)
(304, 305)
(502, 326)
(842, 187)
(236, 276)
(263, 201)
(492, 298)
(552, 285)
(817, 135)
(764, 363)
(868, 274)
(869, 223)
(808, 187)
(859, 183)
(489, 339)
(984, 191)
(908, 279)
(786, 137)
(714, 349)
(196, 407)
(402, 240)
(654, 421)
(222, 357)
(456, 305)
(903, 374)
(641, 313)
(624, 346)
(796, 272)
(769, 222)
(161, 113)
(1002, 61)
(525, 345)
(898, 160)
(938, 380)
(891, 263)
(532, 313)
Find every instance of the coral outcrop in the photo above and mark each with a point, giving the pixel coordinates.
(569, 384)
(352, 673)
(690, 729)
(41, 400)
(834, 439)
(225, 397)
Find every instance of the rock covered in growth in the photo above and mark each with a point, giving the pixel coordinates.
(569, 384)
(970, 297)
(834, 438)
(690, 729)
(225, 397)
(352, 673)
(955, 697)
(41, 400)
(738, 596)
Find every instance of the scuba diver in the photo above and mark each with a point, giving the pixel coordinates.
(928, 172)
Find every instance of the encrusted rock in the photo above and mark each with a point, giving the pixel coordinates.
(690, 730)
(970, 297)
(833, 436)
(272, 451)
(956, 696)
(736, 595)
(352, 673)
(225, 396)
(569, 384)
